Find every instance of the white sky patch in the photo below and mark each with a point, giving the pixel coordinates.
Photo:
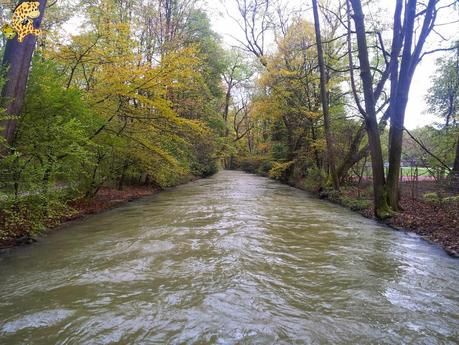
(73, 26)
(417, 114)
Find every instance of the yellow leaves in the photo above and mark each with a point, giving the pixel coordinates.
(283, 72)
(313, 115)
(150, 110)
(278, 169)
(263, 147)
(301, 31)
(319, 145)
(266, 108)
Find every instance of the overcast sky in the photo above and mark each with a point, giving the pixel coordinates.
(417, 114)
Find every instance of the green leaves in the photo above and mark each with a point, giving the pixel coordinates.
(443, 96)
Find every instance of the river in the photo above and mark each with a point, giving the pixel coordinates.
(232, 259)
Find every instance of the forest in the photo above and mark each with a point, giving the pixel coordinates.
(228, 172)
(123, 95)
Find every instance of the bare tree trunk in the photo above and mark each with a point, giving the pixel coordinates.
(401, 82)
(316, 152)
(17, 59)
(123, 175)
(324, 99)
(455, 172)
(400, 87)
(226, 108)
(382, 209)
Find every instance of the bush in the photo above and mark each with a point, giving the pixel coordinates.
(204, 169)
(265, 167)
(279, 170)
(27, 215)
(330, 194)
(355, 204)
(451, 199)
(251, 165)
(314, 180)
(436, 198)
(432, 197)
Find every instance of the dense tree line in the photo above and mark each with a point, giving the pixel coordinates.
(143, 92)
(133, 97)
(344, 91)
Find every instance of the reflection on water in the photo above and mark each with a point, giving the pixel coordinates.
(234, 259)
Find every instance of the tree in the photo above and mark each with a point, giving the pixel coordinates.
(407, 50)
(443, 99)
(401, 77)
(237, 72)
(255, 22)
(324, 98)
(16, 61)
(102, 110)
(290, 100)
(382, 209)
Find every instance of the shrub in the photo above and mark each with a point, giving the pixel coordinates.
(432, 197)
(314, 180)
(279, 170)
(451, 199)
(355, 204)
(29, 214)
(249, 164)
(265, 167)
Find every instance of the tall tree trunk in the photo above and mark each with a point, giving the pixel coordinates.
(17, 59)
(324, 99)
(226, 108)
(455, 172)
(400, 88)
(382, 209)
(410, 59)
(316, 152)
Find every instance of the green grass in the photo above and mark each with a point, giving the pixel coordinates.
(406, 171)
(412, 171)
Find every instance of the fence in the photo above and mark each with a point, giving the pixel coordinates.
(415, 180)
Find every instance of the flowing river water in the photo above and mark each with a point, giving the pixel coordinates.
(233, 259)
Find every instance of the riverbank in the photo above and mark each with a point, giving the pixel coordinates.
(436, 221)
(433, 219)
(105, 199)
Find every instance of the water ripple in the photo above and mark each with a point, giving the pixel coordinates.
(234, 259)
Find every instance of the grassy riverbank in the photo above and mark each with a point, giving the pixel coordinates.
(25, 231)
(434, 217)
